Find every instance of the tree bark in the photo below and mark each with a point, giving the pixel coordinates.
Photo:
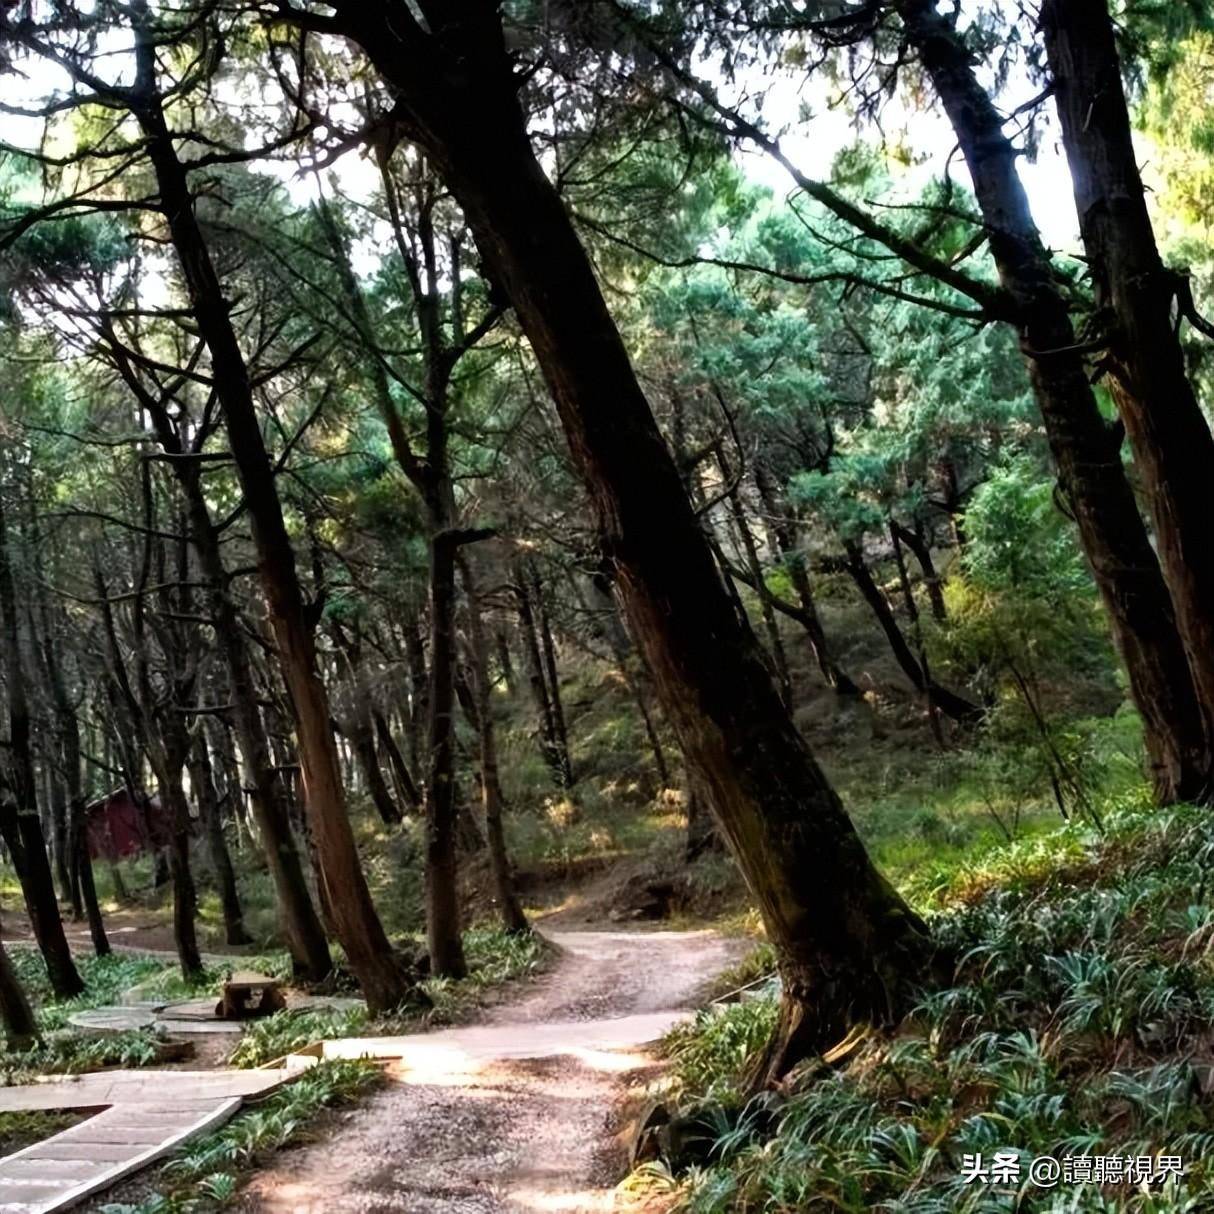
(1144, 361)
(406, 786)
(508, 905)
(750, 554)
(20, 1026)
(557, 760)
(957, 707)
(304, 933)
(385, 982)
(202, 783)
(442, 884)
(918, 543)
(1085, 449)
(849, 947)
(560, 734)
(23, 831)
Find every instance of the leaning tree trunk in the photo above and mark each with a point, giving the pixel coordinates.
(849, 946)
(406, 786)
(1086, 450)
(384, 979)
(508, 905)
(961, 710)
(24, 825)
(1168, 432)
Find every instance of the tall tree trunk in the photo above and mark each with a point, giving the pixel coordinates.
(750, 554)
(78, 835)
(185, 895)
(24, 826)
(385, 981)
(301, 925)
(1085, 449)
(849, 947)
(1168, 432)
(442, 879)
(912, 613)
(82, 863)
(419, 680)
(560, 734)
(536, 679)
(508, 906)
(202, 783)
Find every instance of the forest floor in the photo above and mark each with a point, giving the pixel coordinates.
(482, 1135)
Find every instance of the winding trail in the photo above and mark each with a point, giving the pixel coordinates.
(515, 1114)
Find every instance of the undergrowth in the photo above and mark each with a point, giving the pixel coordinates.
(1079, 1022)
(494, 958)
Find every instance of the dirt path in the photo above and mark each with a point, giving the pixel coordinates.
(476, 1134)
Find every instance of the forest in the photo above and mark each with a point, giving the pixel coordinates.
(642, 572)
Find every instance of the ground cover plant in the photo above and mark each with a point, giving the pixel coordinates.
(1077, 1022)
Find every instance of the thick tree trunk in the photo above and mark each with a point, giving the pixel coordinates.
(185, 896)
(20, 1027)
(508, 906)
(83, 883)
(202, 782)
(385, 981)
(1168, 432)
(849, 947)
(419, 681)
(1085, 449)
(23, 831)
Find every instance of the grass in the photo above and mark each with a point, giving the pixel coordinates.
(1079, 1022)
(205, 1175)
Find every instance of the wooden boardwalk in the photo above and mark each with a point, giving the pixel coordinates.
(142, 1116)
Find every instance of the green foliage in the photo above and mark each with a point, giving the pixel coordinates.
(1083, 988)
(710, 1054)
(71, 1053)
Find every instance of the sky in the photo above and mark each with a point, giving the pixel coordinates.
(812, 145)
